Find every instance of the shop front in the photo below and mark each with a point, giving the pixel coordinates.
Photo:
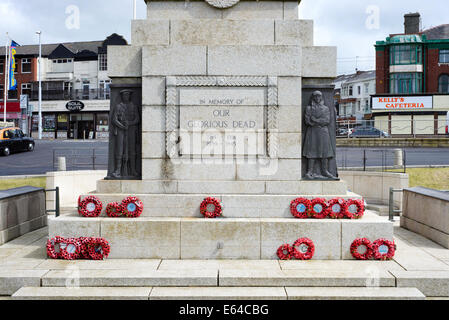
(13, 112)
(77, 121)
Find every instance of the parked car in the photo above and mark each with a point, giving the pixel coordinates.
(368, 132)
(13, 140)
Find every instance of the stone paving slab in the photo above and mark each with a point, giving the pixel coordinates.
(85, 293)
(358, 293)
(131, 278)
(108, 264)
(311, 278)
(430, 283)
(12, 280)
(413, 258)
(218, 293)
(219, 265)
(329, 265)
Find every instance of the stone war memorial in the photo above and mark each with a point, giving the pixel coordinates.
(229, 101)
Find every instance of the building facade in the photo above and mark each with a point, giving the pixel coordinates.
(412, 80)
(353, 93)
(75, 88)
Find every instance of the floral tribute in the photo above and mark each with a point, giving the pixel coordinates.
(285, 252)
(300, 208)
(114, 210)
(319, 208)
(132, 207)
(303, 249)
(207, 204)
(78, 248)
(354, 209)
(362, 242)
(336, 208)
(384, 249)
(90, 207)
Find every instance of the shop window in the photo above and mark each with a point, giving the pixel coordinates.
(406, 54)
(62, 122)
(102, 122)
(404, 83)
(444, 56)
(49, 123)
(26, 65)
(443, 83)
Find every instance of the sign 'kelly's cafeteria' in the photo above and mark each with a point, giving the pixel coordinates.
(403, 103)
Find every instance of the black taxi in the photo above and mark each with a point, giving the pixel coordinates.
(12, 140)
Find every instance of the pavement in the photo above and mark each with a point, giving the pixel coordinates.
(419, 270)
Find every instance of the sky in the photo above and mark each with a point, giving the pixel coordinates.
(352, 25)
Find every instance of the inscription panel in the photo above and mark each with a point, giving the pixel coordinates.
(213, 116)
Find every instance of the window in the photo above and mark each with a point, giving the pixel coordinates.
(105, 91)
(2, 66)
(103, 62)
(26, 65)
(350, 90)
(405, 83)
(444, 56)
(366, 88)
(406, 54)
(359, 90)
(2, 94)
(86, 89)
(443, 83)
(26, 89)
(12, 95)
(359, 106)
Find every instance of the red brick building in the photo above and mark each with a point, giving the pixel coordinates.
(412, 80)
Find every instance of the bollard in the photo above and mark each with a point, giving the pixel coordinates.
(398, 158)
(62, 164)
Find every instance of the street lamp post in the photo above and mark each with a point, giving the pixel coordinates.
(40, 85)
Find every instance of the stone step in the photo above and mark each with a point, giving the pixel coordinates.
(222, 238)
(365, 277)
(84, 293)
(234, 205)
(11, 279)
(217, 293)
(381, 210)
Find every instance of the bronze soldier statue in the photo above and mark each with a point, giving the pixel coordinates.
(125, 120)
(318, 147)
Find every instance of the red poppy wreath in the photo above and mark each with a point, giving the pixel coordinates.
(53, 247)
(354, 209)
(211, 208)
(336, 208)
(285, 252)
(132, 207)
(70, 249)
(98, 248)
(114, 210)
(303, 249)
(90, 207)
(383, 249)
(319, 208)
(362, 255)
(300, 208)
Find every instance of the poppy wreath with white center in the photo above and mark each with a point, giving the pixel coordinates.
(114, 210)
(98, 248)
(90, 200)
(360, 209)
(218, 210)
(321, 214)
(362, 242)
(51, 250)
(303, 255)
(337, 202)
(138, 207)
(285, 252)
(73, 243)
(384, 256)
(304, 208)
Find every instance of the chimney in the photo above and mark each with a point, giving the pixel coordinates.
(412, 23)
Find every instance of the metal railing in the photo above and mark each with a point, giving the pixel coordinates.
(57, 204)
(91, 94)
(82, 158)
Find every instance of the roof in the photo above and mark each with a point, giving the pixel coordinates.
(74, 47)
(357, 77)
(438, 32)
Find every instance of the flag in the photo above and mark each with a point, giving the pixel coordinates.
(12, 85)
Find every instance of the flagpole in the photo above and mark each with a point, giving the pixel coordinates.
(5, 88)
(134, 10)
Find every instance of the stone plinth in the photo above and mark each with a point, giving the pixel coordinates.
(222, 238)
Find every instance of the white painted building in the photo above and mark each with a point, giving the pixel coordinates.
(355, 92)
